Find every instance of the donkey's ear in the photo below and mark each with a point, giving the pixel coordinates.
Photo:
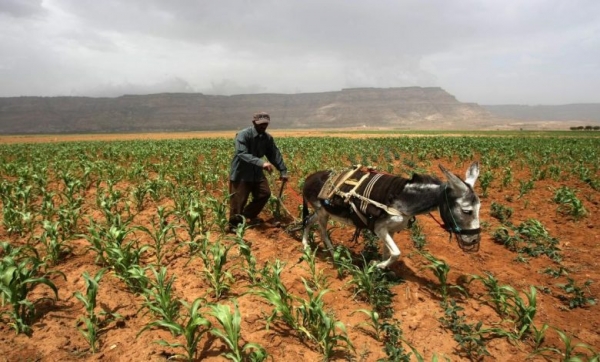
(472, 174)
(454, 181)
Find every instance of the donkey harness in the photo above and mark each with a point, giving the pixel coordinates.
(343, 179)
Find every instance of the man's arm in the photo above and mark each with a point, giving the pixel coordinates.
(274, 156)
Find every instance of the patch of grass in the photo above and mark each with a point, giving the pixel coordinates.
(500, 212)
(577, 296)
(530, 238)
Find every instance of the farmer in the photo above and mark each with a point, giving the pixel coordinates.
(246, 175)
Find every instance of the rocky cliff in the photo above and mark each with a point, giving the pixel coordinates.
(409, 108)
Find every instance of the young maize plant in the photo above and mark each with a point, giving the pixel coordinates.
(441, 269)
(499, 295)
(572, 351)
(55, 244)
(194, 222)
(319, 280)
(246, 252)
(320, 326)
(370, 284)
(485, 180)
(90, 320)
(162, 232)
(159, 298)
(272, 289)
(192, 329)
(231, 334)
(19, 275)
(342, 260)
(219, 210)
(215, 271)
(568, 203)
(521, 312)
(374, 322)
(124, 257)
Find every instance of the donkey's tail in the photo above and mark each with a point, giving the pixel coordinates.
(304, 211)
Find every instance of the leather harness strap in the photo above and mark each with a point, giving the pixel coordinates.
(367, 191)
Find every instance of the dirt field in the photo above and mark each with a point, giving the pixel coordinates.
(416, 300)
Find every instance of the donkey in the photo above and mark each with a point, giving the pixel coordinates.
(385, 204)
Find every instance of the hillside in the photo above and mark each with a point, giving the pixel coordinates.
(411, 108)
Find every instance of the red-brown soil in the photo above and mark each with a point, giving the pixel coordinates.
(416, 302)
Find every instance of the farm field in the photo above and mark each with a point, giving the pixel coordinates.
(114, 249)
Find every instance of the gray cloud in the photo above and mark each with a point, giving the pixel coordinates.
(527, 52)
(21, 8)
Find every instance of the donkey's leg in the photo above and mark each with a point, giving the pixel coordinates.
(389, 244)
(323, 218)
(309, 223)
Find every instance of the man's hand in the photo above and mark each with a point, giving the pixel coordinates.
(284, 178)
(268, 167)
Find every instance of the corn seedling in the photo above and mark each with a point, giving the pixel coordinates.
(417, 236)
(219, 211)
(90, 320)
(159, 298)
(68, 220)
(56, 246)
(499, 295)
(162, 232)
(525, 187)
(441, 269)
(568, 203)
(319, 280)
(18, 277)
(374, 322)
(215, 258)
(319, 325)
(573, 352)
(507, 176)
(342, 260)
(124, 257)
(194, 218)
(523, 313)
(369, 283)
(538, 336)
(556, 273)
(192, 329)
(371, 249)
(273, 291)
(246, 252)
(138, 194)
(195, 247)
(230, 334)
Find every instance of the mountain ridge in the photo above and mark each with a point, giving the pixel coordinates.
(400, 108)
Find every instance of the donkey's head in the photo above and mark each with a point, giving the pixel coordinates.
(459, 208)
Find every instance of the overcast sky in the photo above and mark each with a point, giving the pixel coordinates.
(487, 51)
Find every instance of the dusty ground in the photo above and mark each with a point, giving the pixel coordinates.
(416, 302)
